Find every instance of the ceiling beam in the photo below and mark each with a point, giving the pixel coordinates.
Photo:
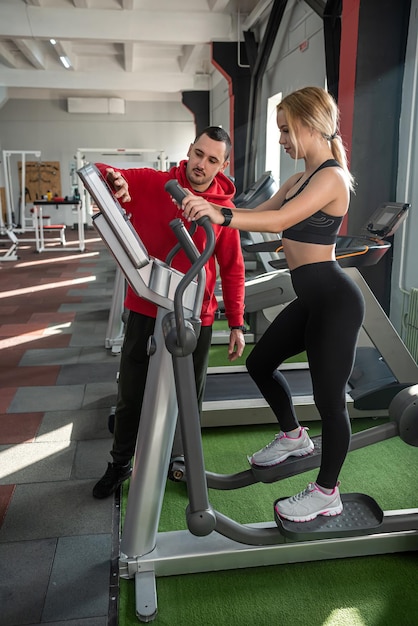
(32, 51)
(16, 20)
(128, 56)
(103, 82)
(218, 5)
(6, 57)
(188, 59)
(64, 49)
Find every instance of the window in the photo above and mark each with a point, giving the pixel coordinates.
(272, 139)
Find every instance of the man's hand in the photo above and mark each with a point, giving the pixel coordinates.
(236, 344)
(119, 184)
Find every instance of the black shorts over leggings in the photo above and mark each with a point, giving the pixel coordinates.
(324, 319)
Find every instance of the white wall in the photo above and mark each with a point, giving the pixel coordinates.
(405, 261)
(220, 104)
(289, 68)
(46, 126)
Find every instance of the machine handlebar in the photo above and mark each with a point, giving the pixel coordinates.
(178, 193)
(198, 260)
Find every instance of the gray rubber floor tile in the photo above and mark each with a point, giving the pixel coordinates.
(79, 585)
(100, 321)
(74, 425)
(24, 578)
(39, 399)
(88, 334)
(36, 462)
(100, 395)
(101, 294)
(88, 373)
(81, 306)
(91, 459)
(50, 356)
(56, 509)
(92, 316)
(98, 293)
(95, 354)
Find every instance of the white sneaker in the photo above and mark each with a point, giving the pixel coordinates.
(310, 503)
(281, 448)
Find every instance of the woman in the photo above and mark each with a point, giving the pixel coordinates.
(326, 316)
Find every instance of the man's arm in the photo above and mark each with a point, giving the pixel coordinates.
(232, 272)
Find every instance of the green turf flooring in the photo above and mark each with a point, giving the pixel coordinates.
(362, 591)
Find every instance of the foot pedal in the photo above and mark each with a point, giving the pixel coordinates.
(361, 515)
(292, 466)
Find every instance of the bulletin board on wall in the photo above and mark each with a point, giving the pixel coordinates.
(41, 177)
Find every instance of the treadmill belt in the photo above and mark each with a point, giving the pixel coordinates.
(240, 386)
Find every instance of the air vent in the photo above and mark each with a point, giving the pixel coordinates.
(114, 106)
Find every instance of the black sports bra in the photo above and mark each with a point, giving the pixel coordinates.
(320, 227)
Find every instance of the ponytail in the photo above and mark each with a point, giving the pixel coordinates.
(340, 155)
(317, 109)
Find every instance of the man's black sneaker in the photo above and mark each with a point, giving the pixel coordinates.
(114, 476)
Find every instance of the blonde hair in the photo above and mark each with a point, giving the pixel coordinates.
(316, 108)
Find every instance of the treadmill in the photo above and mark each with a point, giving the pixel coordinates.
(383, 365)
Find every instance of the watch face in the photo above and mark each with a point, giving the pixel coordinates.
(228, 215)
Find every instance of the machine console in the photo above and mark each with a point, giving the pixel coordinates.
(114, 214)
(370, 245)
(386, 220)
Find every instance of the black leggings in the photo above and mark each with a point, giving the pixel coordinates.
(324, 319)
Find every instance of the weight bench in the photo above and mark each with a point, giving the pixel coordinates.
(60, 229)
(41, 227)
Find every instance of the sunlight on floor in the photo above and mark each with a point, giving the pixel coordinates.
(345, 617)
(57, 434)
(57, 329)
(48, 260)
(35, 288)
(19, 457)
(18, 340)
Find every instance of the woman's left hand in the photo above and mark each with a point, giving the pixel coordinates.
(195, 207)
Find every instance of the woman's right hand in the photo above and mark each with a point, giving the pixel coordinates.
(195, 207)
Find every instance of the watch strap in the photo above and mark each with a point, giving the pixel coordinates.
(228, 215)
(242, 328)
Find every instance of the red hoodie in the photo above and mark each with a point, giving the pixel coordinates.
(152, 209)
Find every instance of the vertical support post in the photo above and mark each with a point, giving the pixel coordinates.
(81, 221)
(153, 450)
(115, 326)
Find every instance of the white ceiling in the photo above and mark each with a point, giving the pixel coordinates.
(130, 49)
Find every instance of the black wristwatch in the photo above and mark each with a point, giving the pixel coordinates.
(242, 328)
(228, 215)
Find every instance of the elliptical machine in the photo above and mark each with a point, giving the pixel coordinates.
(214, 541)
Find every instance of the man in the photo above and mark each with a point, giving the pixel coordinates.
(141, 192)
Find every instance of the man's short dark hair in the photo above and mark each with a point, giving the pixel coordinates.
(217, 134)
